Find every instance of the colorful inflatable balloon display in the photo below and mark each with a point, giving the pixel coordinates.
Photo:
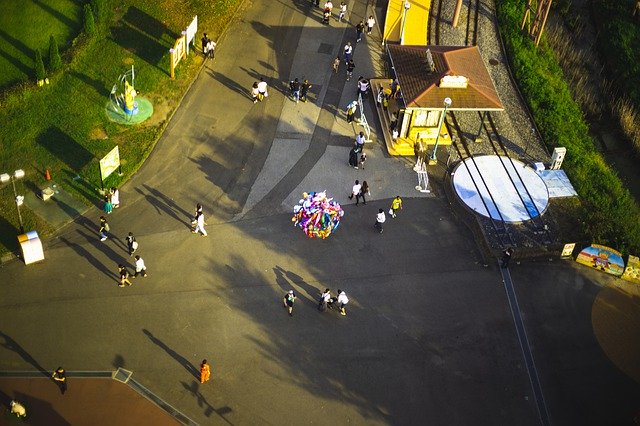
(317, 215)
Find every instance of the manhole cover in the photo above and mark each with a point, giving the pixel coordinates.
(325, 48)
(494, 61)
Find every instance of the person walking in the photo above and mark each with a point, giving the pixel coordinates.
(60, 377)
(108, 205)
(255, 93)
(104, 228)
(351, 110)
(355, 190)
(328, 5)
(353, 157)
(200, 225)
(205, 43)
(326, 16)
(211, 49)
(132, 244)
(336, 64)
(304, 90)
(350, 66)
(342, 302)
(343, 11)
(294, 85)
(324, 301)
(288, 300)
(363, 86)
(141, 268)
(380, 219)
(124, 275)
(363, 158)
(396, 205)
(370, 23)
(205, 371)
(506, 257)
(359, 31)
(360, 140)
(364, 190)
(348, 51)
(115, 197)
(262, 90)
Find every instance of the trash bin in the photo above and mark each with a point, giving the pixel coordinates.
(31, 247)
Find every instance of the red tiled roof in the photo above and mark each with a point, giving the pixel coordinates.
(421, 87)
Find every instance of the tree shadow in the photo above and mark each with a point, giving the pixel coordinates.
(25, 69)
(97, 85)
(143, 35)
(70, 23)
(179, 358)
(13, 346)
(26, 50)
(64, 147)
(8, 235)
(194, 389)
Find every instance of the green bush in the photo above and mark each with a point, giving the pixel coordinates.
(99, 8)
(610, 215)
(89, 22)
(55, 61)
(39, 66)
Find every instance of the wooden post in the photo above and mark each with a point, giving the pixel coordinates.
(456, 13)
(173, 63)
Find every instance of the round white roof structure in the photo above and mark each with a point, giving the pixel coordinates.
(500, 188)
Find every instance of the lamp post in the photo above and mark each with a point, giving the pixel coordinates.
(4, 178)
(447, 104)
(407, 6)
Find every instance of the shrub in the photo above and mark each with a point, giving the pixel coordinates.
(39, 66)
(99, 8)
(55, 61)
(89, 22)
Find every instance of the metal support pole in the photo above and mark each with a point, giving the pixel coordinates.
(15, 197)
(407, 5)
(447, 104)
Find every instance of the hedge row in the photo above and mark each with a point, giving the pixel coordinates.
(609, 213)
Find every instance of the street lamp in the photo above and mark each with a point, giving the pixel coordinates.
(447, 104)
(407, 5)
(4, 178)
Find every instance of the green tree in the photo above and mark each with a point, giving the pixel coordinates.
(39, 66)
(89, 22)
(55, 61)
(98, 7)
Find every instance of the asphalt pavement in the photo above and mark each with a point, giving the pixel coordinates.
(428, 338)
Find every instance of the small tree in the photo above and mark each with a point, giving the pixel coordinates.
(55, 62)
(98, 8)
(89, 22)
(39, 66)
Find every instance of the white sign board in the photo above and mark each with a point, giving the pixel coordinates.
(191, 31)
(109, 163)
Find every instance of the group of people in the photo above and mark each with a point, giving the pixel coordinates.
(111, 200)
(299, 91)
(208, 46)
(327, 301)
(259, 90)
(360, 190)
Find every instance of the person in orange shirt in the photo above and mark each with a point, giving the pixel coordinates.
(205, 371)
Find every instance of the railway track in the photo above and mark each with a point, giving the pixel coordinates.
(436, 20)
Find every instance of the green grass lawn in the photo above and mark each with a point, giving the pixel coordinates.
(63, 126)
(25, 26)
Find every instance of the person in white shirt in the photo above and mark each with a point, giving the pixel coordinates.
(342, 302)
(200, 225)
(360, 140)
(262, 89)
(363, 86)
(328, 5)
(348, 50)
(325, 300)
(355, 190)
(343, 11)
(380, 219)
(141, 268)
(370, 23)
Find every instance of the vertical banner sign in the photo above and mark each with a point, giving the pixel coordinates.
(177, 53)
(191, 31)
(109, 163)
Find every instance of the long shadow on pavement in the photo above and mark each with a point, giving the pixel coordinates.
(175, 355)
(12, 345)
(194, 389)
